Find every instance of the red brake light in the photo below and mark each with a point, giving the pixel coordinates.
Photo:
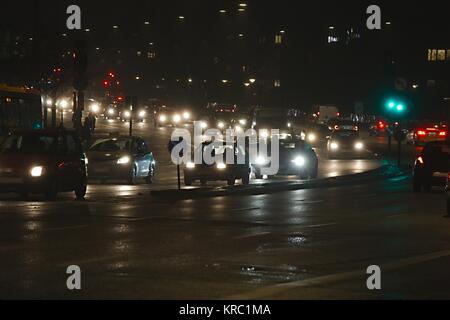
(421, 133)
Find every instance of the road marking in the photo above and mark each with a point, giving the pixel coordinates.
(271, 291)
(244, 209)
(253, 235)
(322, 225)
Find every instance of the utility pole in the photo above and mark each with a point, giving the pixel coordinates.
(80, 81)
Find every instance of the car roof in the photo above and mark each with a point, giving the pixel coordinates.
(49, 131)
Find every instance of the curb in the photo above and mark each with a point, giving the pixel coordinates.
(384, 172)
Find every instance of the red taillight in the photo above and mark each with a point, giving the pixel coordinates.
(443, 133)
(421, 133)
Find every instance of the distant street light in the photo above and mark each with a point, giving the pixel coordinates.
(181, 17)
(252, 80)
(224, 81)
(147, 22)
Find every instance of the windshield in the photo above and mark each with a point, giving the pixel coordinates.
(29, 144)
(111, 145)
(345, 134)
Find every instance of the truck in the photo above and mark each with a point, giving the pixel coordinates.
(324, 113)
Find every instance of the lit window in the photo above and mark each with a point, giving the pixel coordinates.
(278, 39)
(139, 53)
(432, 54)
(277, 83)
(151, 55)
(441, 55)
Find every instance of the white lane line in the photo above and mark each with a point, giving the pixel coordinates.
(322, 225)
(253, 235)
(272, 291)
(61, 228)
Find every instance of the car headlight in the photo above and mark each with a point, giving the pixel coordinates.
(221, 166)
(359, 145)
(221, 125)
(243, 122)
(261, 161)
(142, 114)
(176, 118)
(299, 161)
(95, 108)
(186, 116)
(111, 111)
(190, 165)
(162, 118)
(123, 160)
(312, 137)
(264, 133)
(334, 146)
(37, 171)
(127, 114)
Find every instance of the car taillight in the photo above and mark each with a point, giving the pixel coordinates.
(420, 160)
(421, 133)
(443, 133)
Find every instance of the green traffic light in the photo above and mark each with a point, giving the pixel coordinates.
(391, 104)
(400, 107)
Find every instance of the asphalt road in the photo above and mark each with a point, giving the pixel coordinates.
(305, 244)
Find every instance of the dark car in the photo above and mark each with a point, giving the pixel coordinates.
(296, 157)
(317, 134)
(432, 166)
(219, 171)
(345, 142)
(43, 161)
(121, 158)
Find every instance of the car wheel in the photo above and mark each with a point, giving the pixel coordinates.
(80, 191)
(448, 205)
(315, 172)
(258, 174)
(132, 178)
(151, 174)
(417, 185)
(52, 191)
(187, 181)
(231, 182)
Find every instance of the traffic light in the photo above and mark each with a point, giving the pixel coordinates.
(397, 106)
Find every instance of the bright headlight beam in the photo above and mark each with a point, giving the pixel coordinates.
(36, 171)
(359, 145)
(221, 166)
(123, 160)
(299, 161)
(334, 146)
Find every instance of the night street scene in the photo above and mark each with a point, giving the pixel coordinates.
(233, 150)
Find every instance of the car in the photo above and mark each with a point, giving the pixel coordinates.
(427, 132)
(219, 171)
(342, 124)
(432, 166)
(296, 157)
(43, 161)
(379, 128)
(121, 158)
(317, 134)
(167, 116)
(345, 142)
